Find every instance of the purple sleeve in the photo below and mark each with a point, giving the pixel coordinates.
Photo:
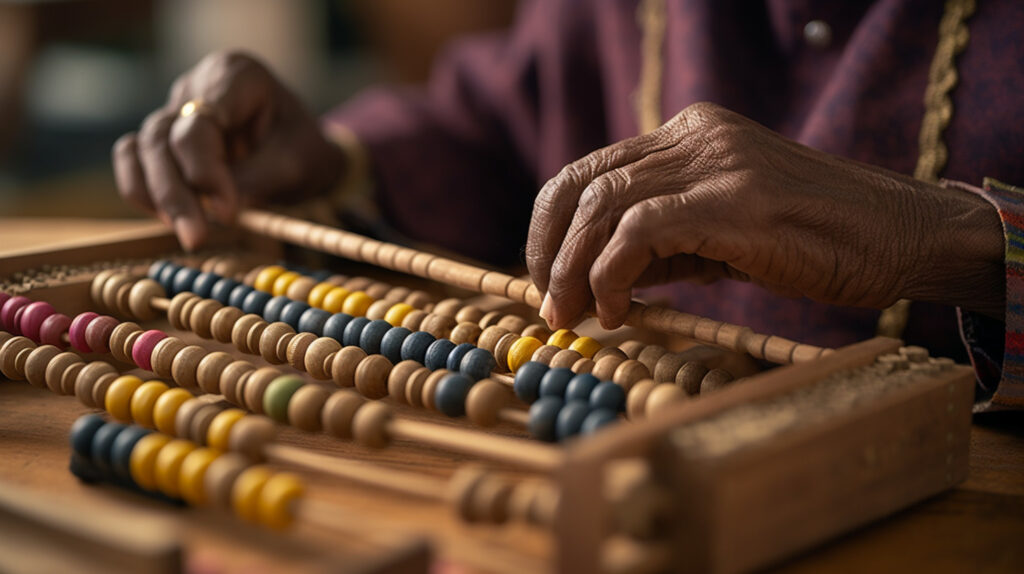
(458, 164)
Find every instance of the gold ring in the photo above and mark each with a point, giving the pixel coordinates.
(199, 107)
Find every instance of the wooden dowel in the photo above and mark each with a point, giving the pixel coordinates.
(160, 303)
(522, 453)
(514, 416)
(371, 530)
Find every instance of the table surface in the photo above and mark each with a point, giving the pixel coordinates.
(978, 526)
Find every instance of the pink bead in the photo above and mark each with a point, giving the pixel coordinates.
(8, 311)
(32, 318)
(3, 299)
(142, 350)
(97, 333)
(51, 332)
(76, 332)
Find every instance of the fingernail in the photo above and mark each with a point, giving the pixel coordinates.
(546, 308)
(189, 232)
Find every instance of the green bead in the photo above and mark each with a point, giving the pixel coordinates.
(279, 392)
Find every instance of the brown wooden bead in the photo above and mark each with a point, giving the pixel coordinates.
(300, 288)
(414, 319)
(491, 319)
(338, 412)
(565, 359)
(256, 385)
(250, 276)
(714, 380)
(414, 387)
(514, 323)
(430, 388)
(240, 332)
(502, 347)
(377, 290)
(220, 478)
(139, 297)
(186, 311)
(119, 339)
(662, 396)
(252, 337)
(223, 322)
(10, 366)
(99, 389)
(36, 363)
(651, 355)
(111, 290)
(636, 399)
(56, 367)
(370, 425)
(199, 425)
(317, 354)
(629, 372)
(98, 332)
(419, 299)
(668, 366)
(176, 311)
(609, 352)
(489, 501)
(545, 353)
(372, 376)
(469, 314)
(337, 280)
(344, 365)
(632, 349)
(96, 288)
(85, 382)
(604, 368)
(209, 370)
(440, 326)
(200, 317)
(357, 283)
(162, 358)
(378, 309)
(185, 366)
(274, 341)
(583, 365)
(448, 307)
(129, 343)
(251, 435)
(232, 380)
(296, 350)
(399, 376)
(689, 377)
(466, 333)
(490, 336)
(68, 378)
(305, 409)
(485, 400)
(537, 331)
(397, 294)
(460, 489)
(184, 414)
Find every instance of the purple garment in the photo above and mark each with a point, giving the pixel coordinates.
(459, 163)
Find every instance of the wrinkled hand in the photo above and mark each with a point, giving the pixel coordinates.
(250, 140)
(714, 195)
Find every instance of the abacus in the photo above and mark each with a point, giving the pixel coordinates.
(226, 384)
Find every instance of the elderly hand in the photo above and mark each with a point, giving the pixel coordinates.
(248, 138)
(712, 194)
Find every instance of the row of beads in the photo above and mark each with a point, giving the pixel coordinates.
(181, 469)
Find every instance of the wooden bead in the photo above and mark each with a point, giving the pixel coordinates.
(96, 287)
(466, 332)
(604, 368)
(165, 410)
(414, 387)
(418, 299)
(186, 311)
(233, 379)
(241, 330)
(318, 293)
(609, 352)
(439, 326)
(514, 323)
(279, 395)
(162, 358)
(246, 491)
(632, 349)
(427, 394)
(356, 304)
(119, 340)
(97, 333)
(338, 412)
(283, 282)
(661, 397)
(185, 366)
(250, 436)
(111, 294)
(192, 475)
(521, 351)
(377, 290)
(371, 376)
(140, 296)
(10, 365)
(53, 330)
(490, 319)
(714, 380)
(414, 319)
(274, 341)
(117, 401)
(629, 372)
(447, 307)
(689, 377)
(305, 410)
(144, 400)
(36, 363)
(667, 367)
(201, 317)
(565, 359)
(379, 309)
(167, 467)
(636, 399)
(176, 310)
(399, 376)
(297, 348)
(485, 401)
(300, 288)
(334, 300)
(397, 294)
(209, 370)
(370, 425)
(88, 378)
(489, 501)
(255, 385)
(267, 276)
(537, 331)
(100, 388)
(315, 360)
(70, 376)
(583, 365)
(490, 336)
(502, 348)
(397, 312)
(469, 314)
(344, 365)
(220, 478)
(143, 459)
(562, 338)
(585, 346)
(223, 322)
(545, 353)
(278, 499)
(651, 355)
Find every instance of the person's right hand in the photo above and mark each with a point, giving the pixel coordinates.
(250, 139)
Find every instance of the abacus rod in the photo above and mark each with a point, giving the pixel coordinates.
(514, 416)
(528, 455)
(324, 513)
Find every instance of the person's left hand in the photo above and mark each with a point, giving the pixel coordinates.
(713, 195)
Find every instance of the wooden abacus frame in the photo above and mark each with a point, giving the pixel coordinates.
(872, 459)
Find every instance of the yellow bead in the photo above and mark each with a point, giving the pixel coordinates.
(335, 299)
(192, 473)
(166, 409)
(220, 428)
(318, 293)
(356, 304)
(265, 279)
(521, 352)
(167, 467)
(397, 312)
(282, 282)
(118, 401)
(144, 400)
(586, 346)
(277, 499)
(143, 459)
(562, 338)
(245, 493)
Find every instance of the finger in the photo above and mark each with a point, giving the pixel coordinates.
(174, 201)
(128, 176)
(198, 147)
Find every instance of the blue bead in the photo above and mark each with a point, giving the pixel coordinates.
(221, 290)
(166, 278)
(274, 307)
(84, 469)
(154, 270)
(202, 285)
(391, 344)
(527, 382)
(415, 346)
(555, 381)
(183, 280)
(597, 419)
(608, 395)
(570, 419)
(335, 326)
(353, 331)
(121, 451)
(102, 442)
(292, 312)
(321, 275)
(82, 432)
(543, 415)
(372, 335)
(238, 295)
(477, 364)
(313, 321)
(455, 357)
(450, 396)
(580, 387)
(437, 354)
(255, 301)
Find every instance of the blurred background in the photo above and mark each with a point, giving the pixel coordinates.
(75, 75)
